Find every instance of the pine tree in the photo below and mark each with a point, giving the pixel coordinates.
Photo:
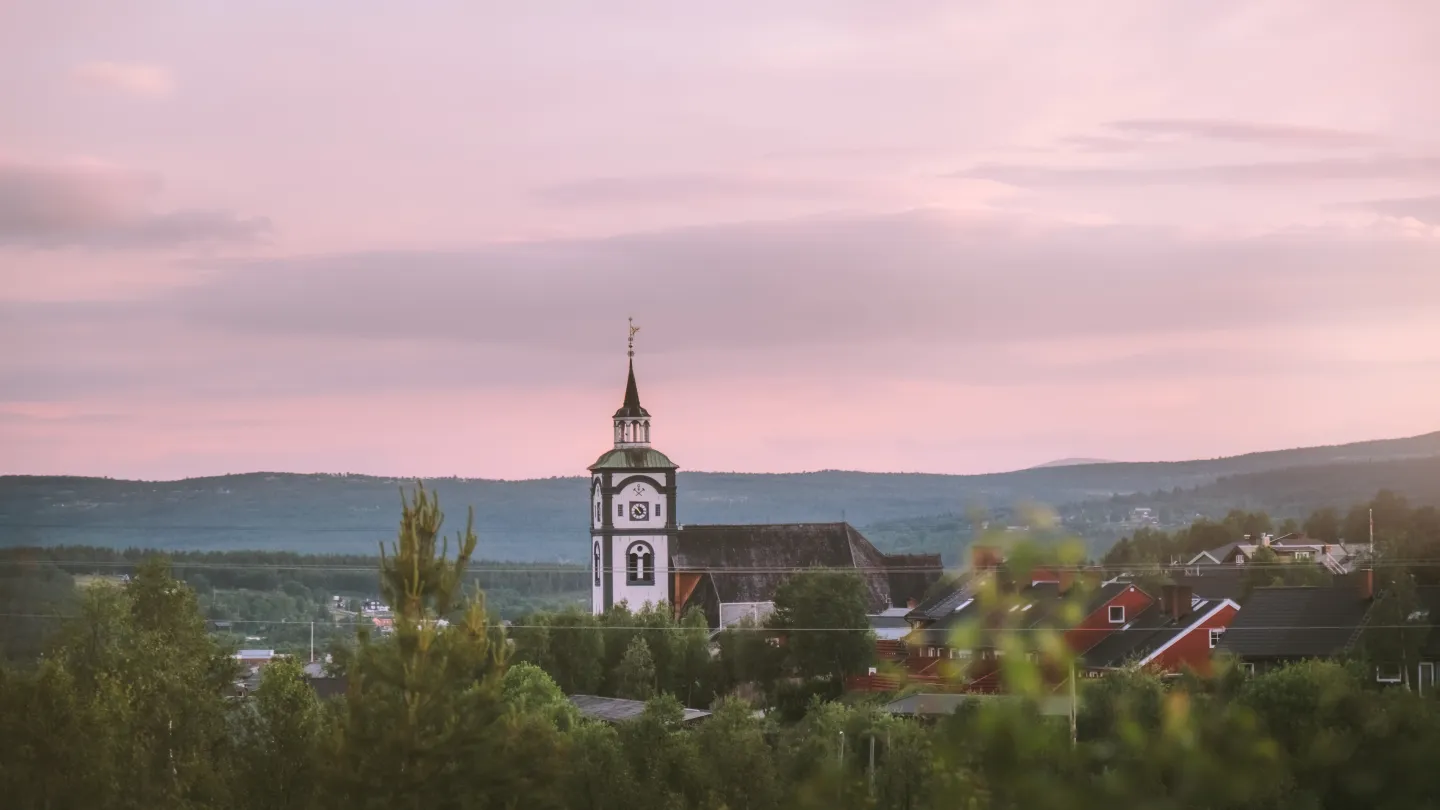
(424, 723)
(635, 677)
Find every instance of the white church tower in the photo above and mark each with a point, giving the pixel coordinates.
(632, 511)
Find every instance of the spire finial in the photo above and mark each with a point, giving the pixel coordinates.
(633, 330)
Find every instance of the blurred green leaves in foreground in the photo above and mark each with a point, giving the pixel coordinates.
(132, 707)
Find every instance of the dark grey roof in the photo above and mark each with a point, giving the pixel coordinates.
(1215, 581)
(326, 687)
(1036, 604)
(1145, 634)
(631, 408)
(760, 557)
(1296, 622)
(1220, 554)
(944, 602)
(618, 710)
(911, 575)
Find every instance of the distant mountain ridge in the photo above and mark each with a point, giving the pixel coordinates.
(545, 519)
(1072, 462)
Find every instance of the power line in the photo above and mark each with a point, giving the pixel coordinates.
(578, 568)
(388, 530)
(756, 629)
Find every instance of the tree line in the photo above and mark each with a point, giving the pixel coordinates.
(637, 654)
(132, 706)
(1411, 531)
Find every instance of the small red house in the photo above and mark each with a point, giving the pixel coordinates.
(1180, 631)
(1040, 600)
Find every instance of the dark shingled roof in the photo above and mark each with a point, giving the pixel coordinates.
(631, 408)
(1145, 634)
(1285, 623)
(618, 710)
(1038, 604)
(944, 602)
(328, 687)
(1215, 581)
(761, 557)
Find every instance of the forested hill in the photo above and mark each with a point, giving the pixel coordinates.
(545, 519)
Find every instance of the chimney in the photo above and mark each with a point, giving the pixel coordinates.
(911, 603)
(1366, 581)
(1265, 539)
(1175, 600)
(985, 558)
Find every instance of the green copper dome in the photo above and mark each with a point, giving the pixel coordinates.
(633, 458)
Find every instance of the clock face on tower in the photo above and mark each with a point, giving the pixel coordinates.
(639, 510)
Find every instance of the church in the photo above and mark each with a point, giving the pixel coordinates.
(641, 552)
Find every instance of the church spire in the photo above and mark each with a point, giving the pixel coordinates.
(632, 421)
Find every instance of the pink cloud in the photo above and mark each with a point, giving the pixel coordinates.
(133, 79)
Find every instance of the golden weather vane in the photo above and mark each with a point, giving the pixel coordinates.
(633, 330)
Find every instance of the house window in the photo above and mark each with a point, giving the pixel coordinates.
(1248, 669)
(1388, 673)
(659, 510)
(1117, 614)
(1302, 555)
(619, 510)
(1215, 635)
(640, 564)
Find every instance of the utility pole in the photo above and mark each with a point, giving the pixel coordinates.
(872, 763)
(1074, 737)
(1372, 537)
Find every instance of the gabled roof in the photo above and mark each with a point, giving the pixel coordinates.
(1215, 582)
(1033, 607)
(746, 563)
(1293, 622)
(945, 600)
(617, 710)
(1149, 633)
(1216, 555)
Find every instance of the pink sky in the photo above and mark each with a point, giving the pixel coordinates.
(922, 236)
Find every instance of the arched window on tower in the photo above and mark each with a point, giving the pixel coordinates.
(640, 564)
(647, 431)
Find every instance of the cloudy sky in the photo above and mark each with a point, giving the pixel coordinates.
(925, 236)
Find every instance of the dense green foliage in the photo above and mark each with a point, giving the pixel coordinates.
(638, 654)
(1410, 534)
(132, 707)
(253, 598)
